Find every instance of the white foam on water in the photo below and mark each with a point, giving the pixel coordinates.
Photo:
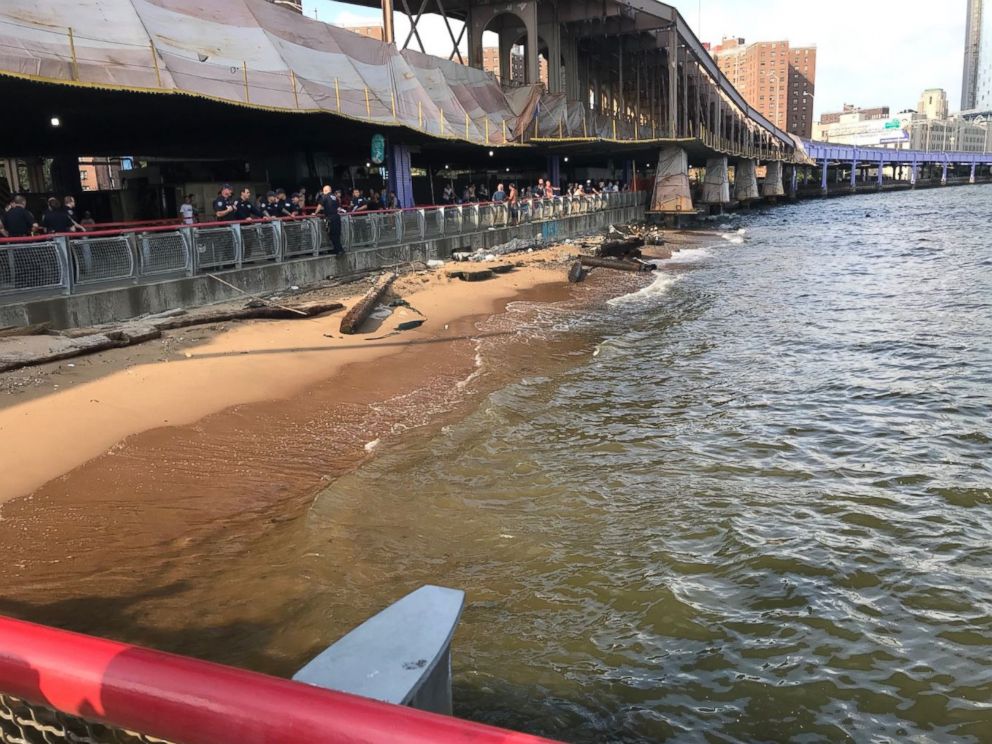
(462, 384)
(736, 238)
(658, 288)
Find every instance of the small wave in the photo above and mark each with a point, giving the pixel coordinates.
(658, 288)
(737, 238)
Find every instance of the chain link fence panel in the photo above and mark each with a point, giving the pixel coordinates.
(31, 266)
(259, 242)
(163, 253)
(216, 247)
(102, 259)
(23, 723)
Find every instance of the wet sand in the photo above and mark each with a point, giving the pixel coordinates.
(67, 415)
(171, 517)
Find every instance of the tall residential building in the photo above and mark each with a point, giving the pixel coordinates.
(972, 46)
(775, 78)
(490, 63)
(933, 103)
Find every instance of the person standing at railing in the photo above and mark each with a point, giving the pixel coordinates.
(358, 202)
(224, 208)
(245, 207)
(58, 218)
(393, 202)
(187, 211)
(285, 207)
(499, 195)
(512, 202)
(295, 205)
(17, 221)
(330, 206)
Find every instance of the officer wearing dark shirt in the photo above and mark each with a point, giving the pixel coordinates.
(329, 205)
(285, 208)
(18, 221)
(57, 220)
(358, 202)
(244, 207)
(224, 205)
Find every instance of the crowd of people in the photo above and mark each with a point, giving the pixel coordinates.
(60, 216)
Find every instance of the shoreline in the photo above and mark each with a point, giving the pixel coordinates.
(81, 409)
(179, 516)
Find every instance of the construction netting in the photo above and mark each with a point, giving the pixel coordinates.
(251, 53)
(745, 181)
(671, 184)
(716, 183)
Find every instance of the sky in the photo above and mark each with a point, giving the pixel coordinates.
(869, 52)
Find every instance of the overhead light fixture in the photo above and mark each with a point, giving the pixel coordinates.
(368, 165)
(56, 122)
(566, 158)
(446, 166)
(507, 170)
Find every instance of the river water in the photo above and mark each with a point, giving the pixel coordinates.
(748, 500)
(752, 501)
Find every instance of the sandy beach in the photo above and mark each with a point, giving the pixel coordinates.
(73, 411)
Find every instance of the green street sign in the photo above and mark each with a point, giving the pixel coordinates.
(378, 149)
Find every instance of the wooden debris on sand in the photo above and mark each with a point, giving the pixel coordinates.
(354, 318)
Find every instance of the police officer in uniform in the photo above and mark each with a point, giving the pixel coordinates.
(330, 206)
(224, 204)
(244, 206)
(285, 209)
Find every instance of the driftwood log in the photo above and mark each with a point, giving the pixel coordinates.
(354, 318)
(576, 273)
(267, 312)
(615, 263)
(626, 248)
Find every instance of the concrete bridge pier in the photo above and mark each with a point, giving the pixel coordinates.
(772, 187)
(716, 184)
(793, 181)
(943, 175)
(746, 181)
(823, 177)
(672, 194)
(971, 178)
(854, 176)
(880, 176)
(912, 174)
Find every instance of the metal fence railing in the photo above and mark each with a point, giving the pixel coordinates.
(63, 264)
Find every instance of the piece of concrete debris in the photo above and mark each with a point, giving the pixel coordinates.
(576, 273)
(617, 264)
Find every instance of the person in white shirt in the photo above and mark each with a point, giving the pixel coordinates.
(187, 211)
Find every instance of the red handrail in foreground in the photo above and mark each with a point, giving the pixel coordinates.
(197, 702)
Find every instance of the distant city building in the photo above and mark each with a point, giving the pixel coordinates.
(490, 63)
(879, 112)
(373, 32)
(972, 55)
(99, 174)
(294, 5)
(778, 80)
(929, 129)
(933, 104)
(950, 135)
(864, 128)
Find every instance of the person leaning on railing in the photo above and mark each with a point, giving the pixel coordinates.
(330, 206)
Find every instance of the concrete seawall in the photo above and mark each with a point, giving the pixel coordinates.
(121, 302)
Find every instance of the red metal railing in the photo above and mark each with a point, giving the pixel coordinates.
(180, 699)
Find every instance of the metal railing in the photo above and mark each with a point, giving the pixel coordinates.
(72, 262)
